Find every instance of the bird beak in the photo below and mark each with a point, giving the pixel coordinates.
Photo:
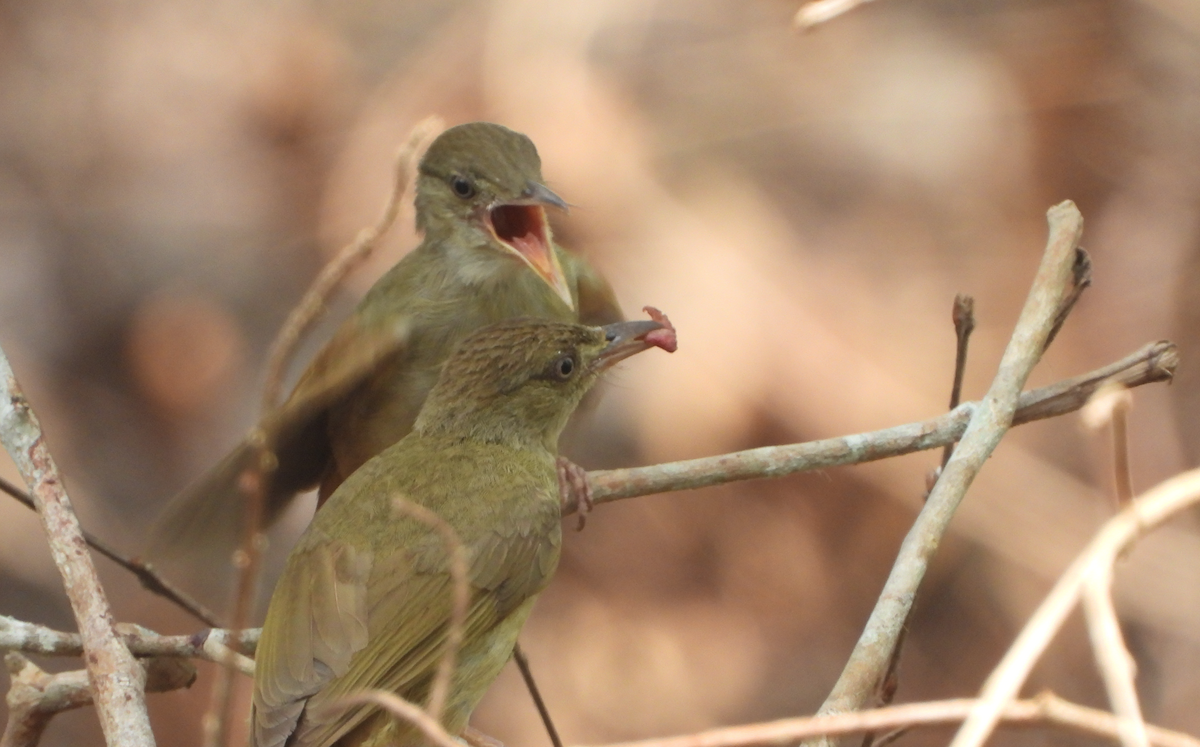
(521, 227)
(540, 194)
(630, 338)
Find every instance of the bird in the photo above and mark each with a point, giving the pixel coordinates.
(365, 597)
(487, 255)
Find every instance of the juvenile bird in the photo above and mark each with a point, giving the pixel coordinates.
(365, 597)
(487, 255)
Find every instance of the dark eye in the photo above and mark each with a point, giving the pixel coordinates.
(462, 186)
(564, 367)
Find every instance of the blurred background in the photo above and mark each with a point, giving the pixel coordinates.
(804, 206)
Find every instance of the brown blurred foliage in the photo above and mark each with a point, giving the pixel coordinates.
(805, 207)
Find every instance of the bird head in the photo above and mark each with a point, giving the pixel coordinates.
(518, 381)
(481, 184)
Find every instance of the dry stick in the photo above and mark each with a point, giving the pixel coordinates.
(1046, 709)
(1113, 658)
(964, 324)
(963, 315)
(312, 306)
(35, 696)
(819, 11)
(151, 580)
(118, 680)
(1144, 513)
(31, 638)
(1155, 361)
(401, 708)
(459, 597)
(249, 558)
(991, 421)
(531, 685)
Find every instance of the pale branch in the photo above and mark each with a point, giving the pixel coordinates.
(459, 598)
(816, 12)
(118, 680)
(1046, 709)
(150, 579)
(31, 638)
(1113, 658)
(256, 480)
(402, 709)
(310, 308)
(990, 420)
(1152, 363)
(1142, 514)
(34, 696)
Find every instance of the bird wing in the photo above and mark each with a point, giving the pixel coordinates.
(207, 517)
(408, 596)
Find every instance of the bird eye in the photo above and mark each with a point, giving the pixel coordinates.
(462, 186)
(564, 367)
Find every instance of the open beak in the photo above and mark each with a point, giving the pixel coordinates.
(520, 226)
(630, 338)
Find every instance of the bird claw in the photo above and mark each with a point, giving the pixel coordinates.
(574, 490)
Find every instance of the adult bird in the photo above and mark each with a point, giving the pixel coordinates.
(487, 255)
(365, 598)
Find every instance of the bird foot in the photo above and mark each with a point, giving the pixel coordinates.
(574, 490)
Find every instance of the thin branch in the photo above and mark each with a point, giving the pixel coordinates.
(1154, 362)
(1144, 513)
(963, 315)
(257, 479)
(990, 421)
(1110, 406)
(531, 685)
(1081, 280)
(817, 12)
(35, 696)
(118, 680)
(401, 708)
(31, 638)
(312, 306)
(153, 582)
(1113, 658)
(1044, 710)
(459, 597)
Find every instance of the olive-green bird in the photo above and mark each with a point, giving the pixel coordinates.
(487, 255)
(365, 598)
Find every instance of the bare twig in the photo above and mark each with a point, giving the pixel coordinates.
(1144, 513)
(1081, 280)
(257, 479)
(964, 324)
(1110, 405)
(531, 685)
(150, 578)
(30, 638)
(1154, 362)
(1046, 709)
(459, 597)
(817, 12)
(1113, 658)
(310, 308)
(35, 697)
(117, 679)
(401, 708)
(990, 421)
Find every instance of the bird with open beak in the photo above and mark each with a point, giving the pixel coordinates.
(364, 602)
(487, 255)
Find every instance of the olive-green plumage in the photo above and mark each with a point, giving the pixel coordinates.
(487, 255)
(365, 598)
